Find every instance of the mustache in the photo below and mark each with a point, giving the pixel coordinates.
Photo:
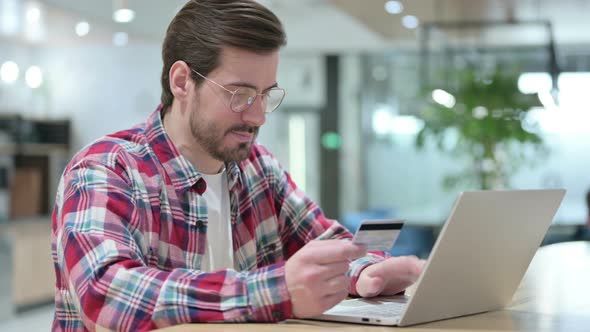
(244, 128)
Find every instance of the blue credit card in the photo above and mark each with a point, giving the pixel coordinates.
(379, 234)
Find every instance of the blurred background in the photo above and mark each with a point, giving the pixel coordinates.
(392, 109)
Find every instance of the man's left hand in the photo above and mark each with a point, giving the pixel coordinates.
(390, 276)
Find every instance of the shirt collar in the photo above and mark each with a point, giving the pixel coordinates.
(233, 174)
(181, 172)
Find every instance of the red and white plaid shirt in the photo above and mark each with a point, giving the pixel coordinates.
(130, 230)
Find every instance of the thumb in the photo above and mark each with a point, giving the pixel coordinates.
(374, 286)
(370, 282)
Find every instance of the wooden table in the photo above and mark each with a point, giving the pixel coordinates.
(554, 296)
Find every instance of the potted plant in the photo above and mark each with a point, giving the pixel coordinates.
(486, 115)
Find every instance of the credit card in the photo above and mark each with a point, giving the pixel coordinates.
(378, 234)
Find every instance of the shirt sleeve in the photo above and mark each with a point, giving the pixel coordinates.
(302, 220)
(100, 255)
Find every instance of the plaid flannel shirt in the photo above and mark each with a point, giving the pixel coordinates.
(130, 230)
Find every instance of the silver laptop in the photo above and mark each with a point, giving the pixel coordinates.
(476, 264)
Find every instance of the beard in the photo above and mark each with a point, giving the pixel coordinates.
(210, 136)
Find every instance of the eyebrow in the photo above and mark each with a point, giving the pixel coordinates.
(248, 85)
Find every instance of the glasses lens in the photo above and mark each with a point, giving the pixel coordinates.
(242, 99)
(245, 97)
(274, 97)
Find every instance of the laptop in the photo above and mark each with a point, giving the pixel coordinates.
(476, 264)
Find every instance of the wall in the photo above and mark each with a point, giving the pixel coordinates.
(103, 89)
(17, 97)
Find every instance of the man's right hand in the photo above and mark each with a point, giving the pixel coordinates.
(316, 275)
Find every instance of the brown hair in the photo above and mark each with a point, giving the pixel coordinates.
(201, 28)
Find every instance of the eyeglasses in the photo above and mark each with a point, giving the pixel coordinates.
(243, 97)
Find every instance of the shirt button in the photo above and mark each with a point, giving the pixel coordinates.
(272, 246)
(201, 186)
(277, 315)
(200, 224)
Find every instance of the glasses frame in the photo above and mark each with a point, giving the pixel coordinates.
(250, 100)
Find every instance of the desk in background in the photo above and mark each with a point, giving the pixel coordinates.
(27, 277)
(553, 296)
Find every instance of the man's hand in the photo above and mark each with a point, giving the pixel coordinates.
(390, 276)
(316, 275)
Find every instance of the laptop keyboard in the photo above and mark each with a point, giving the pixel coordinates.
(369, 308)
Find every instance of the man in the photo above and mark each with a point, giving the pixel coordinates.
(185, 219)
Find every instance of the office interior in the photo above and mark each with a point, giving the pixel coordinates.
(358, 130)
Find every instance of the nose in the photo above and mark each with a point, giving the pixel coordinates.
(255, 115)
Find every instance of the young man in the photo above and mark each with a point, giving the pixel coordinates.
(184, 218)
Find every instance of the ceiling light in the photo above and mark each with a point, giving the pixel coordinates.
(34, 77)
(33, 14)
(393, 7)
(124, 15)
(120, 39)
(121, 12)
(82, 28)
(9, 72)
(410, 22)
(34, 28)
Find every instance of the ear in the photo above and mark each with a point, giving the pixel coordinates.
(180, 80)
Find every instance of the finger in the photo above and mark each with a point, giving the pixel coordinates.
(414, 267)
(335, 286)
(407, 267)
(333, 251)
(350, 250)
(372, 287)
(398, 274)
(317, 275)
(331, 270)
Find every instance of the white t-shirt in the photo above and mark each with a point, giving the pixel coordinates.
(219, 253)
